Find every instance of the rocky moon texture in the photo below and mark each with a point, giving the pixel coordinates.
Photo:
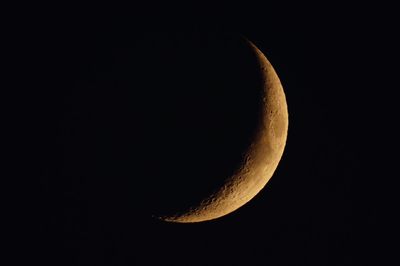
(260, 161)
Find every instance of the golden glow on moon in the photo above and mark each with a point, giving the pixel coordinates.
(261, 159)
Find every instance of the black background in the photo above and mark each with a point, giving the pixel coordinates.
(103, 87)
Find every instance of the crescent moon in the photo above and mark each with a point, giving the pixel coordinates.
(261, 159)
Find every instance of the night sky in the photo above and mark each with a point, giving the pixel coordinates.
(133, 113)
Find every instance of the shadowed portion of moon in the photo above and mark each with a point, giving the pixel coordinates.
(155, 122)
(206, 103)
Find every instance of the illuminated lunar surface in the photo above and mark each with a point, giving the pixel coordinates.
(260, 160)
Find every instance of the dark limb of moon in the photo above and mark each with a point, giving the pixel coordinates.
(259, 162)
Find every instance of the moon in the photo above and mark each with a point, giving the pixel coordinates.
(259, 162)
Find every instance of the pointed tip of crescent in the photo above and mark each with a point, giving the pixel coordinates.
(250, 43)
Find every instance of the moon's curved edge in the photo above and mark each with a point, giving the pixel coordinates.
(261, 160)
